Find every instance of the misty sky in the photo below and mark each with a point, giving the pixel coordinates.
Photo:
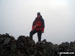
(16, 17)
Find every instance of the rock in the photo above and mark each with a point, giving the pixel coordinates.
(24, 46)
(6, 41)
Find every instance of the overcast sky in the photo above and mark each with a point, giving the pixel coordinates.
(17, 16)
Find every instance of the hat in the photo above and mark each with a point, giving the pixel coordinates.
(38, 13)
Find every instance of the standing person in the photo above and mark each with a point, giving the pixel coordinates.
(38, 27)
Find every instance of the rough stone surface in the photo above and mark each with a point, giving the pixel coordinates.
(24, 46)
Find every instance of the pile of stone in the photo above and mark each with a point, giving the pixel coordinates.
(7, 45)
(24, 46)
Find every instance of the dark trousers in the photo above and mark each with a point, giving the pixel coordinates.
(39, 34)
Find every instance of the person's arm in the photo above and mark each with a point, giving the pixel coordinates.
(33, 25)
(43, 25)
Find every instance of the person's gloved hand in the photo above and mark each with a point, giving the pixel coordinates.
(34, 27)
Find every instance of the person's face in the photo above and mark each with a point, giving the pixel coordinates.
(38, 15)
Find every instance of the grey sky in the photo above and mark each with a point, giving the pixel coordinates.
(16, 17)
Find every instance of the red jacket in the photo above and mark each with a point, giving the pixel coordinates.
(38, 24)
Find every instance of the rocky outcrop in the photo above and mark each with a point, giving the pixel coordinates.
(24, 46)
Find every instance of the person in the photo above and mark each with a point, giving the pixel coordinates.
(37, 27)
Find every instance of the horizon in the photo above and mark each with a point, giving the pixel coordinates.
(17, 16)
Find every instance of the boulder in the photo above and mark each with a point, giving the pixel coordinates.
(24, 46)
